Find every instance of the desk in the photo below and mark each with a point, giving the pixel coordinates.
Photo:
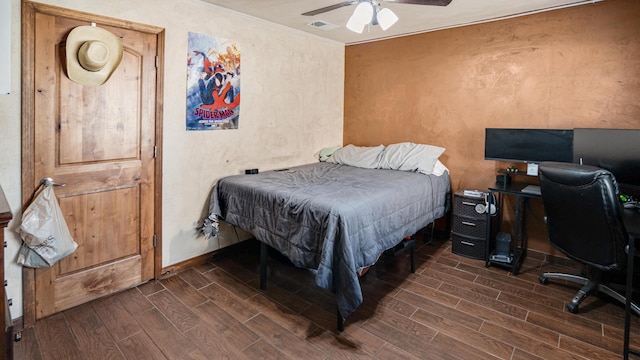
(631, 219)
(519, 241)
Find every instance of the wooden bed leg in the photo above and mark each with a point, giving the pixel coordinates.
(263, 266)
(340, 321)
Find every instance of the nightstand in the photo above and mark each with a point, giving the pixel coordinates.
(469, 232)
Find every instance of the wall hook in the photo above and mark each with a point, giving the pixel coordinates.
(47, 181)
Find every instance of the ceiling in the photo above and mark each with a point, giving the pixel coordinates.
(412, 18)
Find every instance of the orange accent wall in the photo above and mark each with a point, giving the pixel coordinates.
(568, 68)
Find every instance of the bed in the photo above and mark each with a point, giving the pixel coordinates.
(333, 217)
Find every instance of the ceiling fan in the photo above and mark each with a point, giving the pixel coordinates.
(348, 3)
(372, 12)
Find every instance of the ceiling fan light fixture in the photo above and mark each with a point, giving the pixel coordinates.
(355, 26)
(386, 18)
(362, 15)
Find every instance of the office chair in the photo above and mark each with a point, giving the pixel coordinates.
(584, 221)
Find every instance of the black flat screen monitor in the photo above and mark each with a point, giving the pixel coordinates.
(528, 145)
(617, 150)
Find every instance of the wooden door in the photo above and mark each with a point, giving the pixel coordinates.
(100, 141)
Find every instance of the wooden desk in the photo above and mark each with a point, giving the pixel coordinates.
(6, 347)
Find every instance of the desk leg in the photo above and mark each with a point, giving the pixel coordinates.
(629, 300)
(518, 246)
(524, 241)
(519, 243)
(490, 231)
(517, 236)
(629, 293)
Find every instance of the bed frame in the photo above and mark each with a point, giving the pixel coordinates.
(335, 219)
(406, 244)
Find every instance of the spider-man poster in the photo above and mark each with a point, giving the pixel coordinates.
(213, 83)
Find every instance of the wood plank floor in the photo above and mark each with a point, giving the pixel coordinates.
(451, 308)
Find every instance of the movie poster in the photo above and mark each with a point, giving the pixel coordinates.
(213, 83)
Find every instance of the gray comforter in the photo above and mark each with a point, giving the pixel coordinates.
(334, 219)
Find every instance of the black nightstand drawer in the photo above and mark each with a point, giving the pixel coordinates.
(469, 246)
(464, 206)
(475, 227)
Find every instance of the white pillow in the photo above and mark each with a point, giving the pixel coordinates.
(325, 153)
(439, 169)
(366, 157)
(411, 157)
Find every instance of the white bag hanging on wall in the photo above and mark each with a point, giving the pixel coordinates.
(45, 235)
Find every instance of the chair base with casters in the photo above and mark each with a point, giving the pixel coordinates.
(589, 287)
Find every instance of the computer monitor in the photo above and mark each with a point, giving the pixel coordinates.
(617, 150)
(528, 145)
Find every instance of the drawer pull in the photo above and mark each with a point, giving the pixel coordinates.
(468, 223)
(469, 203)
(467, 243)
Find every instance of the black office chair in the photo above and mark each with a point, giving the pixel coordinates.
(584, 221)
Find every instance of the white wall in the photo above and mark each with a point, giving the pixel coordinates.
(10, 153)
(292, 105)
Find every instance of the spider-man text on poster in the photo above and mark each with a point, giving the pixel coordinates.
(213, 83)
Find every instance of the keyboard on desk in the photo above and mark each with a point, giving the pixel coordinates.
(531, 189)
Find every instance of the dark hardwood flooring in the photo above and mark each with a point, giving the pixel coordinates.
(451, 308)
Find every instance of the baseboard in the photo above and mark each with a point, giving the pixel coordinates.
(201, 259)
(186, 264)
(551, 259)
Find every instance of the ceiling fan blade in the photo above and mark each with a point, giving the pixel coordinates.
(329, 8)
(422, 2)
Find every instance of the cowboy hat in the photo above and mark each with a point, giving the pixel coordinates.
(92, 55)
